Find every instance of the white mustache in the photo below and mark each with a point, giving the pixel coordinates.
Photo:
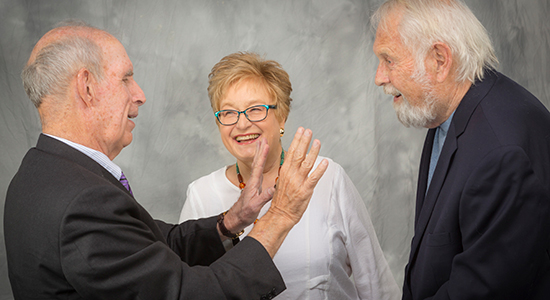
(391, 90)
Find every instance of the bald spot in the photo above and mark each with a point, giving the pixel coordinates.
(60, 33)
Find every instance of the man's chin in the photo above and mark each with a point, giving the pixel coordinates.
(411, 116)
(127, 140)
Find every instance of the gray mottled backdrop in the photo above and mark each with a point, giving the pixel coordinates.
(326, 47)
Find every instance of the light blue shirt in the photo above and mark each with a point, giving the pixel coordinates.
(97, 156)
(439, 141)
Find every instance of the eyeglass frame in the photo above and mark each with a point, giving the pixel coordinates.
(274, 106)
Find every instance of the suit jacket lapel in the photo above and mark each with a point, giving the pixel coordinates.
(56, 147)
(425, 208)
(438, 178)
(423, 173)
(427, 201)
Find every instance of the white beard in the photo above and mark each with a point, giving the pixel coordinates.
(414, 116)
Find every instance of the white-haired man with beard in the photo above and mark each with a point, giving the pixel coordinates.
(482, 223)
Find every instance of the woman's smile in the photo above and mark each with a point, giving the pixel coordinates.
(247, 138)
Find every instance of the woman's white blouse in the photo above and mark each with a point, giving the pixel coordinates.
(334, 239)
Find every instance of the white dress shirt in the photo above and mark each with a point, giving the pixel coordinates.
(334, 239)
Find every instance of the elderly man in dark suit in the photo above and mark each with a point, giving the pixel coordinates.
(482, 225)
(73, 229)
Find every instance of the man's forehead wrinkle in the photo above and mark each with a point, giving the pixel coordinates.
(387, 33)
(382, 44)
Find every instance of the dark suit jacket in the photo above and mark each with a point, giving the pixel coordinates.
(72, 231)
(482, 229)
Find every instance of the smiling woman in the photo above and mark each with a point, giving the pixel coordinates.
(250, 96)
(335, 238)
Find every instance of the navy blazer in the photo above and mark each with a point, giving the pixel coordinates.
(482, 230)
(72, 231)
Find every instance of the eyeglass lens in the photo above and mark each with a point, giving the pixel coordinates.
(253, 114)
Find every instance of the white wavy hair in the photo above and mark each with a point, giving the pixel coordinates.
(451, 22)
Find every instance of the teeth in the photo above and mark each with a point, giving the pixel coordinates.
(247, 137)
(391, 90)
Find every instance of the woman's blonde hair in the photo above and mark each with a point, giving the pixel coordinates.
(239, 66)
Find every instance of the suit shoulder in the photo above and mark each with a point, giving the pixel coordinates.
(513, 113)
(50, 180)
(507, 101)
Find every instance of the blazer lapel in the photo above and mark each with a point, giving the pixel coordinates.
(56, 147)
(423, 173)
(460, 120)
(427, 201)
(425, 207)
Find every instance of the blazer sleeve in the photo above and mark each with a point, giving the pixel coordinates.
(196, 242)
(504, 230)
(112, 249)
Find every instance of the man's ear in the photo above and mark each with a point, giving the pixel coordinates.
(443, 60)
(85, 87)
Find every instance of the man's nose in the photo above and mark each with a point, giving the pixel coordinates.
(138, 95)
(381, 77)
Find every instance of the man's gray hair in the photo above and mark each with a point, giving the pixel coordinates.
(451, 22)
(54, 66)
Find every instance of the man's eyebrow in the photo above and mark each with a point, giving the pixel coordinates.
(129, 73)
(385, 54)
(384, 51)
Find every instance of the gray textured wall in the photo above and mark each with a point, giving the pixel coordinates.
(325, 45)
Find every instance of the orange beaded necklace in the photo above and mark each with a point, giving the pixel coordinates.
(241, 182)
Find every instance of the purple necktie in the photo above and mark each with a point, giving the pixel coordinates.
(125, 183)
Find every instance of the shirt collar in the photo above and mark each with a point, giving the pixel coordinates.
(97, 156)
(445, 126)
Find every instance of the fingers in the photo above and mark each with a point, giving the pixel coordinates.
(314, 177)
(293, 192)
(262, 149)
(252, 198)
(298, 147)
(311, 157)
(297, 154)
(296, 184)
(264, 197)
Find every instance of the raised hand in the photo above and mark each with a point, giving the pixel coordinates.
(252, 199)
(293, 192)
(295, 187)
